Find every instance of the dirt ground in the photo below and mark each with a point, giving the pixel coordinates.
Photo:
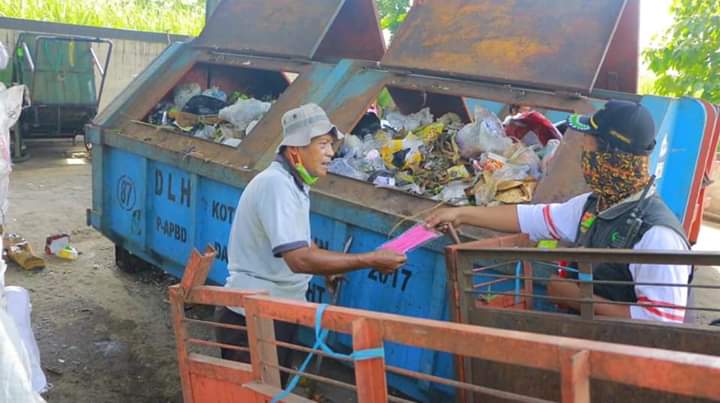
(105, 335)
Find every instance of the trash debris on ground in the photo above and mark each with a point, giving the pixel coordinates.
(209, 114)
(68, 253)
(19, 251)
(446, 160)
(59, 245)
(54, 243)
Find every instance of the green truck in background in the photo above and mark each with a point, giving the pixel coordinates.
(64, 79)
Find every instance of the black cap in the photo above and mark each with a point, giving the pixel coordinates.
(620, 126)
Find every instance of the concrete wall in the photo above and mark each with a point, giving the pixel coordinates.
(132, 51)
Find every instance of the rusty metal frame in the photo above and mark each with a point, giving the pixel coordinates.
(576, 361)
(461, 258)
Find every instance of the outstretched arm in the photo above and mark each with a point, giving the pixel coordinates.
(313, 260)
(500, 218)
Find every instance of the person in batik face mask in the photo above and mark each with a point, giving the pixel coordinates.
(622, 211)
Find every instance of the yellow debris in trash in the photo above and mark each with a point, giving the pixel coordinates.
(388, 150)
(410, 160)
(512, 192)
(186, 119)
(458, 172)
(430, 133)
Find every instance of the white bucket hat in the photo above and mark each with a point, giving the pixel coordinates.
(302, 124)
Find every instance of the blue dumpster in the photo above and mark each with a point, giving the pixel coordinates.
(158, 194)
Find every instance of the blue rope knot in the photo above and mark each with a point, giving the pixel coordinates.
(320, 335)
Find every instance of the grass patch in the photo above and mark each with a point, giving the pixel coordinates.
(182, 17)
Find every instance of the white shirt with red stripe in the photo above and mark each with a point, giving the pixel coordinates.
(560, 221)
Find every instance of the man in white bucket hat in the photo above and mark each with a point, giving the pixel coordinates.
(270, 247)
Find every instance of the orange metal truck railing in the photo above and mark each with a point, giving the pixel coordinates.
(501, 283)
(207, 378)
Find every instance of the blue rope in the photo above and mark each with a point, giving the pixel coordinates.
(320, 335)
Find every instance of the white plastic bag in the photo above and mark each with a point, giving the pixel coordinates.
(15, 367)
(243, 112)
(3, 57)
(510, 172)
(216, 92)
(10, 107)
(343, 167)
(352, 147)
(398, 121)
(485, 134)
(519, 154)
(453, 193)
(19, 308)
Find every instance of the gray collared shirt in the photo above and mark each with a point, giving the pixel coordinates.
(273, 217)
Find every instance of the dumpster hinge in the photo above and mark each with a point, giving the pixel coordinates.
(568, 94)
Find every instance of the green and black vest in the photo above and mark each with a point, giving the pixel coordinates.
(610, 229)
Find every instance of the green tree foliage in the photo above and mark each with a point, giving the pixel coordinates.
(688, 60)
(392, 13)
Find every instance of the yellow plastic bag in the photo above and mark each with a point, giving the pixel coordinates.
(430, 133)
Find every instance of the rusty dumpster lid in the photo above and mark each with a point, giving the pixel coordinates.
(547, 44)
(296, 29)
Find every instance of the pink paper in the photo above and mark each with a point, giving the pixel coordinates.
(411, 239)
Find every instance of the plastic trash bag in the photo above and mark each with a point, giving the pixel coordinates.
(371, 162)
(183, 93)
(203, 105)
(485, 134)
(3, 57)
(430, 133)
(450, 119)
(369, 124)
(206, 133)
(216, 93)
(342, 166)
(398, 121)
(19, 308)
(15, 375)
(232, 142)
(453, 193)
(403, 153)
(519, 154)
(352, 147)
(531, 127)
(243, 112)
(11, 101)
(510, 172)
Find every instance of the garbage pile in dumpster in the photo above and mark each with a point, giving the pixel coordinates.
(485, 162)
(210, 114)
